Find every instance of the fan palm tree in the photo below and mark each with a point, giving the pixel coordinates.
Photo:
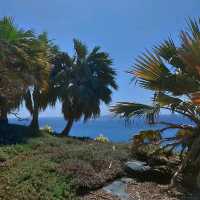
(15, 65)
(83, 82)
(40, 95)
(173, 73)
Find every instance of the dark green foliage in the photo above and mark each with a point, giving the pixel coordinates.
(35, 72)
(83, 82)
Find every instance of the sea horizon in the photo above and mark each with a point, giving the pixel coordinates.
(114, 128)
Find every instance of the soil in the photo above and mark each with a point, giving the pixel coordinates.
(144, 191)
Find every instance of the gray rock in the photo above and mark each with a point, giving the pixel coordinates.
(118, 188)
(128, 180)
(137, 166)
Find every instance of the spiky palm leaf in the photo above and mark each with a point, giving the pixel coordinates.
(15, 62)
(190, 52)
(42, 94)
(133, 110)
(166, 100)
(152, 73)
(168, 51)
(173, 73)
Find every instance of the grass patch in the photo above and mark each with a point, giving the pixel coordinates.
(51, 168)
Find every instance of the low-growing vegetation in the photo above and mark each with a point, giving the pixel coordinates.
(53, 168)
(35, 73)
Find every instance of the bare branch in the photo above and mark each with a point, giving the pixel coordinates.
(19, 118)
(175, 126)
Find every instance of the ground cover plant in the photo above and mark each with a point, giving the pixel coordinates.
(49, 167)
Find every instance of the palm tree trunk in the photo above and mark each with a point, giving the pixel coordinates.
(67, 128)
(3, 116)
(191, 166)
(35, 122)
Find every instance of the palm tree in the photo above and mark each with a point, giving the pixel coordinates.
(40, 95)
(83, 82)
(173, 74)
(15, 65)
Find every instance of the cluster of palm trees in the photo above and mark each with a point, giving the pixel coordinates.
(172, 73)
(35, 72)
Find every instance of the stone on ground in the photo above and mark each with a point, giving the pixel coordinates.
(137, 166)
(119, 188)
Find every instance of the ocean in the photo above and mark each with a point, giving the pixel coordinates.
(116, 129)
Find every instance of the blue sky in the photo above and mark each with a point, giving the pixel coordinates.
(123, 28)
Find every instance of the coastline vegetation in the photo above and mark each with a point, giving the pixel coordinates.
(37, 73)
(37, 164)
(47, 167)
(171, 72)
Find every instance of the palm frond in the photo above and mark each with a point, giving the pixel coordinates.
(193, 27)
(134, 110)
(83, 81)
(189, 51)
(80, 50)
(150, 71)
(169, 52)
(166, 100)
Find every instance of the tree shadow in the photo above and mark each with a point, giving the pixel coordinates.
(14, 133)
(188, 194)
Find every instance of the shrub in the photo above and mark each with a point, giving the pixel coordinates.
(3, 156)
(146, 137)
(48, 129)
(102, 139)
(146, 144)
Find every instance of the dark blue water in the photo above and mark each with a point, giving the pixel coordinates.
(113, 128)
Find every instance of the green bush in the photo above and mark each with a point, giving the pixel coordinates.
(4, 156)
(102, 139)
(48, 129)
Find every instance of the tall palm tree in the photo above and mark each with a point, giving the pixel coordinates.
(172, 73)
(15, 65)
(39, 96)
(83, 82)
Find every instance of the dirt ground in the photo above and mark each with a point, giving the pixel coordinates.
(144, 191)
